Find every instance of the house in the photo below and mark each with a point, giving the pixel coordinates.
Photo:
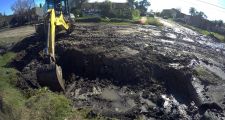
(93, 8)
(170, 13)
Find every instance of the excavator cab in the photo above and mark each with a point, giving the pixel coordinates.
(58, 5)
(57, 18)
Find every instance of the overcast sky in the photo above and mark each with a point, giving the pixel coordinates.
(213, 12)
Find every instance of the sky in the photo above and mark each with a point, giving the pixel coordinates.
(213, 12)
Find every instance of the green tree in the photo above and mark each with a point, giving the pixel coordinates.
(106, 9)
(192, 11)
(79, 3)
(131, 3)
(40, 5)
(218, 23)
(201, 14)
(23, 11)
(142, 6)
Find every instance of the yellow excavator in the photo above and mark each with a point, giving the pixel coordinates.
(56, 18)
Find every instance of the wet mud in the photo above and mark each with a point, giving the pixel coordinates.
(134, 72)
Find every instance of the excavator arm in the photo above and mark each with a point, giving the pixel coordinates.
(54, 22)
(50, 74)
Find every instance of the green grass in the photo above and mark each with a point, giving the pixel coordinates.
(220, 37)
(12, 99)
(118, 21)
(206, 76)
(17, 106)
(43, 104)
(33, 104)
(153, 21)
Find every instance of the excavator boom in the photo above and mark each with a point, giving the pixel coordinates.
(50, 74)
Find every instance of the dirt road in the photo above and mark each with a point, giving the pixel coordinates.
(11, 36)
(135, 71)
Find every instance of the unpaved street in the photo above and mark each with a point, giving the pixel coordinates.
(11, 36)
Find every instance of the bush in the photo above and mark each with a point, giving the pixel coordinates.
(76, 12)
(135, 14)
(154, 21)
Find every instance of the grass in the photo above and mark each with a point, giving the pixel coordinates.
(153, 21)
(42, 105)
(34, 104)
(17, 106)
(118, 21)
(12, 99)
(220, 37)
(206, 76)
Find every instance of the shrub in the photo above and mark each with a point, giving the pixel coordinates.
(135, 14)
(154, 21)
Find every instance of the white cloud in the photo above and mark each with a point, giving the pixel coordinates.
(213, 12)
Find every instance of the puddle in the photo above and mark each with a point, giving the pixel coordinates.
(167, 41)
(170, 35)
(188, 39)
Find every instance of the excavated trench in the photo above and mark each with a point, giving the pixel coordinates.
(124, 71)
(143, 74)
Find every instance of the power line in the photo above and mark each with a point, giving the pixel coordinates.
(219, 7)
(211, 4)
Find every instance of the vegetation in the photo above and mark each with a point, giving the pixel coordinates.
(154, 21)
(218, 36)
(39, 104)
(206, 76)
(22, 12)
(142, 6)
(107, 10)
(119, 21)
(132, 10)
(194, 12)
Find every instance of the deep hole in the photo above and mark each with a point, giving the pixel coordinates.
(127, 72)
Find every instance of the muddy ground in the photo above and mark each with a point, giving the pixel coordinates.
(135, 71)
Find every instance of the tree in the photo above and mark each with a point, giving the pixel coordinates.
(21, 7)
(106, 9)
(79, 3)
(192, 11)
(40, 5)
(142, 6)
(131, 3)
(201, 14)
(23, 10)
(218, 23)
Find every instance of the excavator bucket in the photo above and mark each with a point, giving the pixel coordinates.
(50, 75)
